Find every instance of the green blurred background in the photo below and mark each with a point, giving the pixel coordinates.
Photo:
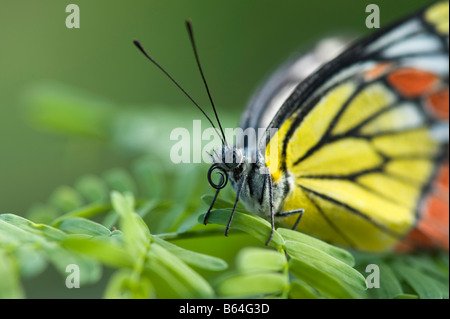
(51, 77)
(240, 42)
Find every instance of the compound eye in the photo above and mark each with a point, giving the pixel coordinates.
(232, 158)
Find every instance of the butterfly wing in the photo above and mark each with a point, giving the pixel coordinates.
(268, 98)
(363, 142)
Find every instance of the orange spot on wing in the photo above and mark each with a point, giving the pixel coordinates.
(412, 82)
(442, 179)
(438, 102)
(432, 229)
(441, 183)
(377, 71)
(434, 223)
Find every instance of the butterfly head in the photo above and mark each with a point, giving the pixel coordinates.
(228, 162)
(230, 158)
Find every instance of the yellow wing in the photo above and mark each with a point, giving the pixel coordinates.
(360, 155)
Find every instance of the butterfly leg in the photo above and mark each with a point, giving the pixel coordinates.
(290, 213)
(272, 218)
(244, 178)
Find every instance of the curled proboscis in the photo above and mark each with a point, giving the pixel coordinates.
(223, 177)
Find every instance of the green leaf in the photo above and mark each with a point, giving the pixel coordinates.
(90, 270)
(425, 286)
(10, 287)
(79, 225)
(301, 290)
(16, 235)
(327, 263)
(331, 250)
(444, 258)
(110, 219)
(325, 273)
(31, 260)
(193, 258)
(428, 265)
(135, 231)
(389, 284)
(165, 267)
(406, 296)
(48, 240)
(323, 281)
(220, 203)
(249, 223)
(123, 285)
(123, 204)
(258, 259)
(27, 230)
(252, 285)
(105, 250)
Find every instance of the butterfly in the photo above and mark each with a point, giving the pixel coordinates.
(356, 152)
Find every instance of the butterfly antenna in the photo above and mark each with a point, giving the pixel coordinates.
(139, 46)
(191, 36)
